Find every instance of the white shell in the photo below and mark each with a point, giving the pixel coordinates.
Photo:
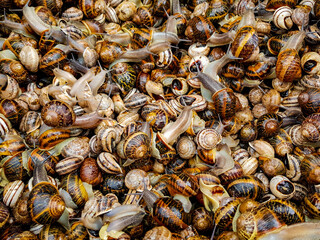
(29, 57)
(282, 18)
(195, 50)
(12, 193)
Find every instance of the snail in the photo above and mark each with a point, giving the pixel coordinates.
(289, 56)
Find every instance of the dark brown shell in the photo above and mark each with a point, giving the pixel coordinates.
(233, 70)
(309, 101)
(55, 58)
(170, 213)
(199, 29)
(11, 110)
(245, 44)
(288, 66)
(225, 103)
(268, 125)
(183, 184)
(13, 168)
(246, 186)
(288, 211)
(274, 4)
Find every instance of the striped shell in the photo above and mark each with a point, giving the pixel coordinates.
(74, 186)
(44, 203)
(108, 163)
(68, 165)
(288, 66)
(12, 192)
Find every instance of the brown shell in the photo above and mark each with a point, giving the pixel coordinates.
(310, 168)
(245, 44)
(310, 127)
(170, 213)
(90, 172)
(225, 103)
(11, 110)
(14, 69)
(44, 203)
(52, 59)
(309, 101)
(50, 138)
(288, 66)
(183, 184)
(13, 168)
(269, 124)
(199, 29)
(57, 113)
(137, 146)
(274, 4)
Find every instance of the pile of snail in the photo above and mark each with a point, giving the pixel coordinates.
(159, 119)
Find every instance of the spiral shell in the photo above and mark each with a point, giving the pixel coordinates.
(12, 192)
(208, 138)
(44, 203)
(282, 18)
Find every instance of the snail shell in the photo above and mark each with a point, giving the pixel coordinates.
(29, 57)
(108, 163)
(246, 186)
(310, 167)
(58, 114)
(12, 192)
(186, 148)
(288, 211)
(137, 179)
(310, 127)
(72, 184)
(251, 224)
(282, 18)
(161, 232)
(208, 138)
(44, 203)
(90, 172)
(68, 165)
(282, 187)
